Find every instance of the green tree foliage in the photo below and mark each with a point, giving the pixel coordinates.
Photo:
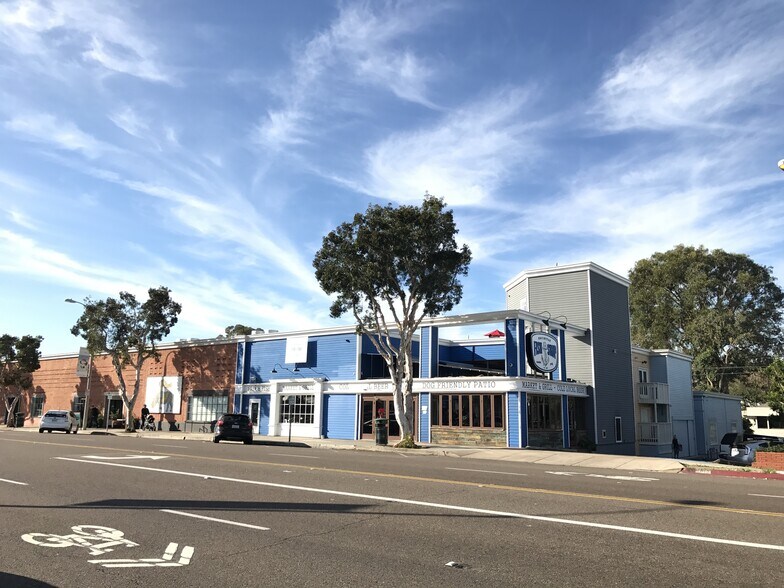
(128, 331)
(775, 396)
(237, 330)
(722, 308)
(19, 358)
(391, 267)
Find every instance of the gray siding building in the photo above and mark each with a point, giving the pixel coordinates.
(589, 295)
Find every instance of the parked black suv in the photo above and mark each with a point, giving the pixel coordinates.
(234, 427)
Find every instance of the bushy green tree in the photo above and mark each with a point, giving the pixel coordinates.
(722, 308)
(775, 396)
(128, 331)
(19, 358)
(391, 267)
(237, 330)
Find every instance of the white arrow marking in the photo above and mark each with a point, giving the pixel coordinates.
(628, 478)
(114, 457)
(162, 562)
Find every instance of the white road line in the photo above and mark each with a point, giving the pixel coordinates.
(195, 516)
(767, 495)
(294, 455)
(487, 471)
(497, 513)
(13, 482)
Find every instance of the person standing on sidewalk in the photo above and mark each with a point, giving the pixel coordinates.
(145, 414)
(676, 446)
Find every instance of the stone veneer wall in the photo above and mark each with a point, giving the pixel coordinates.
(452, 436)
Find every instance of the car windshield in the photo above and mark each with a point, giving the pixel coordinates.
(232, 419)
(55, 414)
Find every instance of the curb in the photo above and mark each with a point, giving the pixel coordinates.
(758, 475)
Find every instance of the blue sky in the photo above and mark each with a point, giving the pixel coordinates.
(209, 146)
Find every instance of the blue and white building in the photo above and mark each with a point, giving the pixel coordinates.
(505, 391)
(555, 369)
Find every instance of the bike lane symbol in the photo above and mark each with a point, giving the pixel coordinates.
(99, 540)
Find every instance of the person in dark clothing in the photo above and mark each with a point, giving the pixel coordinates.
(676, 447)
(145, 414)
(93, 421)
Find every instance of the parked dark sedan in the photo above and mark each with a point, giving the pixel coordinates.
(233, 427)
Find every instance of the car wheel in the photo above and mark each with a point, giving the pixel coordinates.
(248, 441)
(215, 439)
(68, 431)
(40, 430)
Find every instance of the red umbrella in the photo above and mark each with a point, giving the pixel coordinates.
(495, 333)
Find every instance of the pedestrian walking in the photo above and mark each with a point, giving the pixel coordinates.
(676, 447)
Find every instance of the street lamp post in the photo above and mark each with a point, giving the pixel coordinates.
(89, 374)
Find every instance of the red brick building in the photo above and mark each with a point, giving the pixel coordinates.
(192, 381)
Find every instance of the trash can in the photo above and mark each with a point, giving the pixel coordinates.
(382, 435)
(713, 454)
(19, 419)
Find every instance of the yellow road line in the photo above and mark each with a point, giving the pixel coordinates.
(645, 501)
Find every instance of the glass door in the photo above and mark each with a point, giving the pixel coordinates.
(254, 410)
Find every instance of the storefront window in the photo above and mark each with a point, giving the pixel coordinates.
(468, 410)
(301, 411)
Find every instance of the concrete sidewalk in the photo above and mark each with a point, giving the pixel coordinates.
(570, 459)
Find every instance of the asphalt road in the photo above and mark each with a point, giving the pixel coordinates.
(192, 513)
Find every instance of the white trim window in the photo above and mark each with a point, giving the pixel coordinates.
(37, 406)
(618, 430)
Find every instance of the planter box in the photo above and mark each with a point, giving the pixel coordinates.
(769, 460)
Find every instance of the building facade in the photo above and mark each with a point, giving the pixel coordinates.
(190, 383)
(503, 391)
(555, 369)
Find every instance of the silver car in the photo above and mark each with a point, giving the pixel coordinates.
(743, 453)
(59, 420)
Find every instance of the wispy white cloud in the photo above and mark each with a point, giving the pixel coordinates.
(102, 33)
(362, 47)
(15, 182)
(48, 129)
(703, 64)
(129, 121)
(209, 303)
(464, 158)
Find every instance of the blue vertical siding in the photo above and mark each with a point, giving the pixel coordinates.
(243, 406)
(425, 351)
(264, 415)
(513, 418)
(560, 372)
(340, 416)
(424, 418)
(523, 408)
(329, 356)
(513, 368)
(240, 367)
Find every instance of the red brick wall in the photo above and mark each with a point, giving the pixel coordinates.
(769, 460)
(202, 367)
